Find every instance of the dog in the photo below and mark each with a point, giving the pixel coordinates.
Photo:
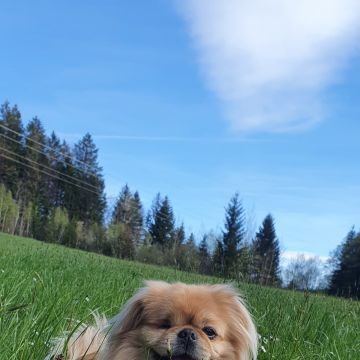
(165, 321)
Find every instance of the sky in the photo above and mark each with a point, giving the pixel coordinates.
(199, 99)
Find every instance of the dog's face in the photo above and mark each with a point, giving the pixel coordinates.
(190, 322)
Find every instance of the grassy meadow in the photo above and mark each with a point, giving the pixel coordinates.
(46, 289)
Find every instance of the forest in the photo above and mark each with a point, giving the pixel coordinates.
(55, 193)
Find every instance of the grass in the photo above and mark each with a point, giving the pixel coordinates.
(46, 289)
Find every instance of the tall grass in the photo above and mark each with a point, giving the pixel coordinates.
(47, 289)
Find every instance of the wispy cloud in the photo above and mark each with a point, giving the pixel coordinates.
(174, 139)
(269, 61)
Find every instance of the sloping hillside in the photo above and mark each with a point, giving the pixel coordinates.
(45, 289)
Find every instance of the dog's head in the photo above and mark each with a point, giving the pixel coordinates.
(184, 322)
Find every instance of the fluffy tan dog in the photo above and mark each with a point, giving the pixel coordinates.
(170, 322)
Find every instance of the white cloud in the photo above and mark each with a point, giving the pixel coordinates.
(291, 255)
(268, 61)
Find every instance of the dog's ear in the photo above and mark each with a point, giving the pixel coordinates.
(131, 316)
(242, 325)
(129, 319)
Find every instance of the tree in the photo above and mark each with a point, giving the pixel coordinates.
(88, 196)
(303, 273)
(35, 179)
(162, 223)
(345, 278)
(187, 255)
(57, 225)
(137, 222)
(121, 241)
(178, 236)
(55, 158)
(233, 236)
(67, 189)
(128, 212)
(155, 208)
(218, 258)
(204, 256)
(266, 254)
(123, 208)
(9, 211)
(11, 144)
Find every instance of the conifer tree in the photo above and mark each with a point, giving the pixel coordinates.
(89, 199)
(345, 279)
(266, 252)
(218, 258)
(35, 179)
(233, 236)
(191, 240)
(137, 222)
(128, 211)
(68, 190)
(178, 237)
(55, 188)
(123, 208)
(187, 255)
(204, 256)
(155, 208)
(11, 144)
(162, 223)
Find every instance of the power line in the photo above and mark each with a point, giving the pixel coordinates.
(46, 173)
(93, 173)
(58, 178)
(43, 145)
(49, 168)
(56, 159)
(50, 157)
(45, 154)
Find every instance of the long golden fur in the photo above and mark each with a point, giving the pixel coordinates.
(170, 322)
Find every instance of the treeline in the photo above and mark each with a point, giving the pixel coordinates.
(54, 192)
(54, 186)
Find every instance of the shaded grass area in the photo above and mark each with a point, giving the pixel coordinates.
(46, 289)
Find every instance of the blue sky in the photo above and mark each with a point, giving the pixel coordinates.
(199, 100)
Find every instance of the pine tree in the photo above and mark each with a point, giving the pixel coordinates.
(55, 187)
(345, 279)
(123, 208)
(89, 199)
(68, 190)
(266, 252)
(218, 258)
(35, 179)
(137, 222)
(204, 256)
(162, 223)
(187, 255)
(36, 158)
(178, 236)
(151, 215)
(233, 236)
(191, 240)
(128, 212)
(11, 144)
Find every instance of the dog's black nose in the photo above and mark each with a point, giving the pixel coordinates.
(187, 334)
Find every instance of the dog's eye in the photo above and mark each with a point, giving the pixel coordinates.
(165, 325)
(210, 332)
